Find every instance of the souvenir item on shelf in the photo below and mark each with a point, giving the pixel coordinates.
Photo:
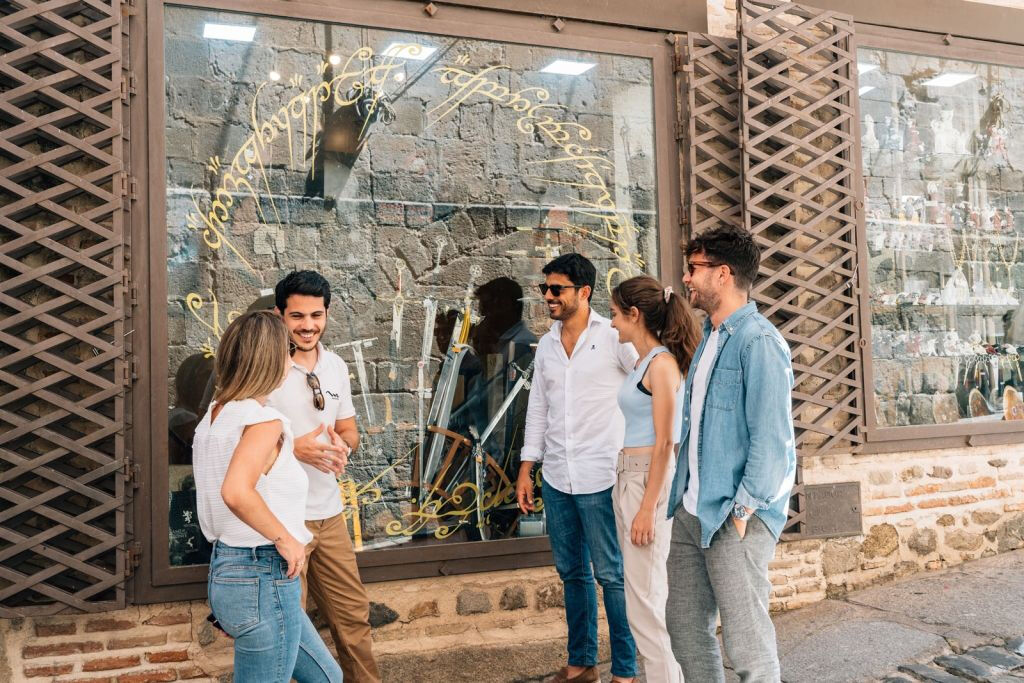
(1013, 404)
(894, 138)
(978, 405)
(956, 291)
(947, 139)
(869, 141)
(929, 347)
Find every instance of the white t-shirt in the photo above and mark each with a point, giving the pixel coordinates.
(283, 488)
(701, 376)
(294, 399)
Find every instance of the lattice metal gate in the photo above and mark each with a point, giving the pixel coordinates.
(770, 129)
(64, 484)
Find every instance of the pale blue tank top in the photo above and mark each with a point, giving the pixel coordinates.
(637, 405)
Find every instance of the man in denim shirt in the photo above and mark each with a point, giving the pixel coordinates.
(735, 470)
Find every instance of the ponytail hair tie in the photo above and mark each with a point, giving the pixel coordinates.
(668, 293)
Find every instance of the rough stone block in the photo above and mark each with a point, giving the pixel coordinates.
(922, 541)
(381, 615)
(882, 541)
(550, 595)
(945, 520)
(927, 673)
(984, 517)
(939, 472)
(473, 602)
(997, 657)
(428, 608)
(959, 539)
(962, 665)
(512, 598)
(838, 557)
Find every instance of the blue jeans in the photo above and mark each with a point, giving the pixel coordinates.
(257, 605)
(581, 529)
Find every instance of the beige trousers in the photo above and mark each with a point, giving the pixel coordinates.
(645, 570)
(331, 577)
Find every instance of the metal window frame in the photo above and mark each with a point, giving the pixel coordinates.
(156, 580)
(879, 439)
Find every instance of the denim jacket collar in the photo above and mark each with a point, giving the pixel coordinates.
(733, 321)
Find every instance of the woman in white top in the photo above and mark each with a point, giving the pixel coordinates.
(251, 495)
(661, 326)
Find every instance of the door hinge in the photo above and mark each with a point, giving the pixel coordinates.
(129, 186)
(128, 85)
(132, 557)
(679, 64)
(129, 8)
(680, 130)
(131, 472)
(129, 371)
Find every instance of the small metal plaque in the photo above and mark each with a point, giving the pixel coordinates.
(832, 510)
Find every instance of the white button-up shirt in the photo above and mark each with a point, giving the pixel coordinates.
(573, 423)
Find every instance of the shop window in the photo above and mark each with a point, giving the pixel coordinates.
(945, 222)
(429, 178)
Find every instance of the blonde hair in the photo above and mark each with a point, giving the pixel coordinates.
(251, 358)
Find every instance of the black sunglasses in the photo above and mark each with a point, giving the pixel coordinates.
(556, 290)
(692, 266)
(318, 396)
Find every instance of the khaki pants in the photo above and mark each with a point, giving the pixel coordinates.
(331, 577)
(645, 569)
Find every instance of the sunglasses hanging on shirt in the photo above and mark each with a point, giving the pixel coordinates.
(318, 396)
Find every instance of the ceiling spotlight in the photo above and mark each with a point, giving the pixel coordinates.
(228, 32)
(413, 51)
(334, 59)
(275, 76)
(949, 80)
(865, 89)
(865, 68)
(400, 76)
(567, 67)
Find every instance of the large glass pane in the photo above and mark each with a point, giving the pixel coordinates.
(428, 178)
(945, 221)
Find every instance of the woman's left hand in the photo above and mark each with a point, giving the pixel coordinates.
(642, 532)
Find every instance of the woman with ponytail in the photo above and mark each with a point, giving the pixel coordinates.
(661, 326)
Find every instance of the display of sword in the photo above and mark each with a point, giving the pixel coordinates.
(357, 353)
(480, 457)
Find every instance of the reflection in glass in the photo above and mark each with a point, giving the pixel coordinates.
(429, 178)
(945, 222)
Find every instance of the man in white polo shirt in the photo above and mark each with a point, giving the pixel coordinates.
(316, 397)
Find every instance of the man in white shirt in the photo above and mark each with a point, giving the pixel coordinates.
(316, 397)
(573, 425)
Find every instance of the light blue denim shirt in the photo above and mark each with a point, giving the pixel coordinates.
(747, 452)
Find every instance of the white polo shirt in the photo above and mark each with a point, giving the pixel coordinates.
(294, 399)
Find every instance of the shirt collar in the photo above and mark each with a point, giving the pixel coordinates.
(319, 359)
(733, 321)
(594, 319)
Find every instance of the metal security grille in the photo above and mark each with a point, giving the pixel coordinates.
(801, 196)
(63, 373)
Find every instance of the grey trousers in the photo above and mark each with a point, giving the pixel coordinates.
(730, 577)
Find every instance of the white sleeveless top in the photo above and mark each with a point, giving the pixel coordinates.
(284, 488)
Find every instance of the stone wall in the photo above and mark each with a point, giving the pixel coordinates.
(420, 628)
(923, 510)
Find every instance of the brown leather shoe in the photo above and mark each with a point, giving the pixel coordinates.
(590, 675)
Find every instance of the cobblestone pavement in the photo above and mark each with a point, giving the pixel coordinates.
(963, 624)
